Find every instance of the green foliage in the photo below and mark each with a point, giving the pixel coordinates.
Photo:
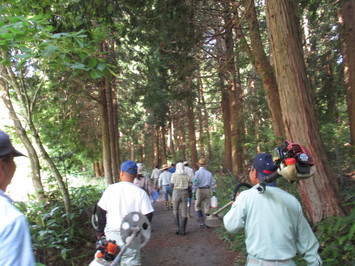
(55, 241)
(336, 237)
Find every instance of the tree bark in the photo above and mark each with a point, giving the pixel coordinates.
(347, 20)
(26, 106)
(156, 146)
(205, 116)
(164, 156)
(105, 139)
(319, 194)
(32, 154)
(235, 94)
(225, 104)
(191, 124)
(263, 67)
(200, 122)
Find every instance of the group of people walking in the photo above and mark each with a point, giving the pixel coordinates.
(181, 186)
(274, 225)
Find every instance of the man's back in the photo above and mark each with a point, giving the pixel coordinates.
(122, 198)
(275, 227)
(155, 173)
(189, 171)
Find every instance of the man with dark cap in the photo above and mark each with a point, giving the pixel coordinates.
(15, 240)
(275, 227)
(117, 201)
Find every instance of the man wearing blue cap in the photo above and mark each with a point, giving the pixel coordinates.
(15, 240)
(275, 227)
(117, 201)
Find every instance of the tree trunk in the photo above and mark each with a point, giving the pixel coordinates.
(191, 124)
(115, 137)
(156, 146)
(263, 67)
(32, 154)
(26, 105)
(164, 156)
(105, 139)
(200, 123)
(347, 20)
(319, 194)
(235, 94)
(205, 116)
(171, 139)
(225, 104)
(112, 130)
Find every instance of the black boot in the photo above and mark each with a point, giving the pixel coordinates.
(177, 224)
(183, 226)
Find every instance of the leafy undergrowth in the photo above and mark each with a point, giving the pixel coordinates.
(58, 239)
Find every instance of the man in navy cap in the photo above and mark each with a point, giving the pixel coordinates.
(15, 240)
(275, 227)
(117, 201)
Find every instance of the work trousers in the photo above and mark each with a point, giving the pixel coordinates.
(167, 191)
(180, 197)
(203, 200)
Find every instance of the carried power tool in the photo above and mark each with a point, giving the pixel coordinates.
(106, 249)
(135, 233)
(294, 164)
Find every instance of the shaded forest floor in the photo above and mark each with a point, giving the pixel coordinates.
(198, 247)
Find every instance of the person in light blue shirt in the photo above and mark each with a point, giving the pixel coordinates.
(203, 184)
(15, 240)
(275, 227)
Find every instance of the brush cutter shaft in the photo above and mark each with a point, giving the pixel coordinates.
(222, 208)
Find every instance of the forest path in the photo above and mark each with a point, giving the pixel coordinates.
(198, 247)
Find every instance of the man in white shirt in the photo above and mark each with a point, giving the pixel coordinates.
(15, 239)
(155, 176)
(117, 201)
(275, 228)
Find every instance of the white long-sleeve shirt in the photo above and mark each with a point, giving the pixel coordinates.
(15, 239)
(275, 227)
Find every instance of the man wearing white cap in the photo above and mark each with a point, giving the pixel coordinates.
(15, 240)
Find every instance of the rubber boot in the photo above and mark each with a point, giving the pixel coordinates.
(183, 226)
(177, 224)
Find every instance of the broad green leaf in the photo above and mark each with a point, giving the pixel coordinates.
(95, 74)
(101, 66)
(92, 62)
(16, 31)
(59, 35)
(78, 66)
(49, 50)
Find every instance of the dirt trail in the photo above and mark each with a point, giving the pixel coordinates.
(197, 247)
